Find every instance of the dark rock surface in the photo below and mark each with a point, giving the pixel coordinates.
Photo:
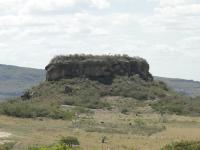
(101, 68)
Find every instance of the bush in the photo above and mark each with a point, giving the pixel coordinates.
(53, 147)
(69, 141)
(124, 111)
(7, 146)
(184, 145)
(33, 109)
(65, 143)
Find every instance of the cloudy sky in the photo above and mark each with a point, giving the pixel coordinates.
(165, 32)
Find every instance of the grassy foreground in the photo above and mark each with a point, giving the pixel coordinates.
(41, 132)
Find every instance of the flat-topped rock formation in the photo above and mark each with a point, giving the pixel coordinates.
(101, 68)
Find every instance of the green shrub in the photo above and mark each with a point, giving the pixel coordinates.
(65, 143)
(53, 147)
(69, 141)
(107, 58)
(184, 145)
(7, 146)
(32, 109)
(124, 111)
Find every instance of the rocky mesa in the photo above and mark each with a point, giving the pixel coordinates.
(102, 68)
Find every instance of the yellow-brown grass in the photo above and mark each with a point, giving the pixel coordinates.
(28, 132)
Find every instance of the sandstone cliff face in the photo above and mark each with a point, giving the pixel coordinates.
(101, 68)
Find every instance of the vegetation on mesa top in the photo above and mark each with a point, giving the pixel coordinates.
(101, 68)
(108, 58)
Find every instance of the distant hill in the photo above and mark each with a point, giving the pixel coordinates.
(185, 87)
(14, 80)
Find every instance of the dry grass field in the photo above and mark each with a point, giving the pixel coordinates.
(28, 132)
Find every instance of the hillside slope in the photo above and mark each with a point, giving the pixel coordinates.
(185, 87)
(47, 99)
(14, 80)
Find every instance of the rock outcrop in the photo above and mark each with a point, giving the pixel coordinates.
(101, 68)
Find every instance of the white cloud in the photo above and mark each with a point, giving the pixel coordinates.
(177, 15)
(191, 46)
(176, 2)
(100, 4)
(16, 7)
(178, 8)
(45, 5)
(36, 6)
(35, 29)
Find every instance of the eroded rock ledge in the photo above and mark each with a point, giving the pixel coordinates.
(101, 68)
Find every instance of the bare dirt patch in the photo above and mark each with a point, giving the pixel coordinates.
(3, 136)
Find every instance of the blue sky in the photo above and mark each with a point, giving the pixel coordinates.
(165, 32)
